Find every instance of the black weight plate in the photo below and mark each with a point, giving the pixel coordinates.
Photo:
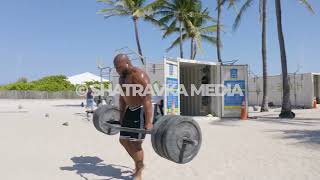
(156, 113)
(173, 146)
(97, 114)
(163, 137)
(104, 114)
(110, 116)
(159, 142)
(155, 138)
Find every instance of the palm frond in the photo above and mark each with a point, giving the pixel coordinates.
(177, 42)
(109, 2)
(223, 2)
(113, 10)
(206, 17)
(161, 12)
(170, 29)
(148, 9)
(260, 10)
(209, 39)
(155, 22)
(130, 4)
(243, 9)
(208, 29)
(166, 19)
(114, 4)
(308, 5)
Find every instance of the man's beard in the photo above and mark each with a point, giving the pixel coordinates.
(125, 73)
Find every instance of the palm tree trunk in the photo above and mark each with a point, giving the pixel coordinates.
(286, 104)
(192, 48)
(135, 22)
(218, 31)
(264, 105)
(181, 39)
(195, 51)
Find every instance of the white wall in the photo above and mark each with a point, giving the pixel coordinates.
(301, 90)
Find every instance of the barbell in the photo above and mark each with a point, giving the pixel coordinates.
(176, 138)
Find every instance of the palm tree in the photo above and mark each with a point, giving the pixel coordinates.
(131, 8)
(173, 14)
(197, 31)
(219, 3)
(263, 18)
(286, 103)
(263, 11)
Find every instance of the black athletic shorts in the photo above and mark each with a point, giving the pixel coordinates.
(133, 118)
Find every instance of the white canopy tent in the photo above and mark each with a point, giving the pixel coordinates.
(85, 77)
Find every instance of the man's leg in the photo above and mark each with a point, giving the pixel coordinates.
(138, 157)
(134, 149)
(126, 144)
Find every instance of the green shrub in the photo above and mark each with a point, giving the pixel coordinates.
(49, 83)
(96, 84)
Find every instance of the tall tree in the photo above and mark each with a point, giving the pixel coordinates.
(219, 3)
(134, 9)
(263, 19)
(173, 14)
(197, 30)
(263, 7)
(286, 103)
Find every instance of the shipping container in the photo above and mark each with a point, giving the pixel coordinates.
(172, 73)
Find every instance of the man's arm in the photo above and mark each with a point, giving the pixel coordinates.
(148, 111)
(143, 79)
(122, 107)
(122, 102)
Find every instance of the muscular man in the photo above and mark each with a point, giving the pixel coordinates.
(136, 111)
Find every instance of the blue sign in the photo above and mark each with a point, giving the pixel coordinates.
(234, 101)
(172, 99)
(172, 83)
(234, 73)
(172, 93)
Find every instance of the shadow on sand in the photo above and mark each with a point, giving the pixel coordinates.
(68, 105)
(304, 136)
(298, 121)
(92, 165)
(225, 122)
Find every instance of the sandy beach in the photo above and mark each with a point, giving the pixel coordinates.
(36, 147)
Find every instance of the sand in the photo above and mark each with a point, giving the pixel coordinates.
(37, 147)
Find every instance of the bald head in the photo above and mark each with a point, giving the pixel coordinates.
(121, 58)
(122, 64)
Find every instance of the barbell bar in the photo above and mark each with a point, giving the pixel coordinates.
(143, 131)
(176, 138)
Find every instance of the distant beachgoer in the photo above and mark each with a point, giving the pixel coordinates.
(90, 99)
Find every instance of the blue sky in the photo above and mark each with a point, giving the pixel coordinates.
(39, 38)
